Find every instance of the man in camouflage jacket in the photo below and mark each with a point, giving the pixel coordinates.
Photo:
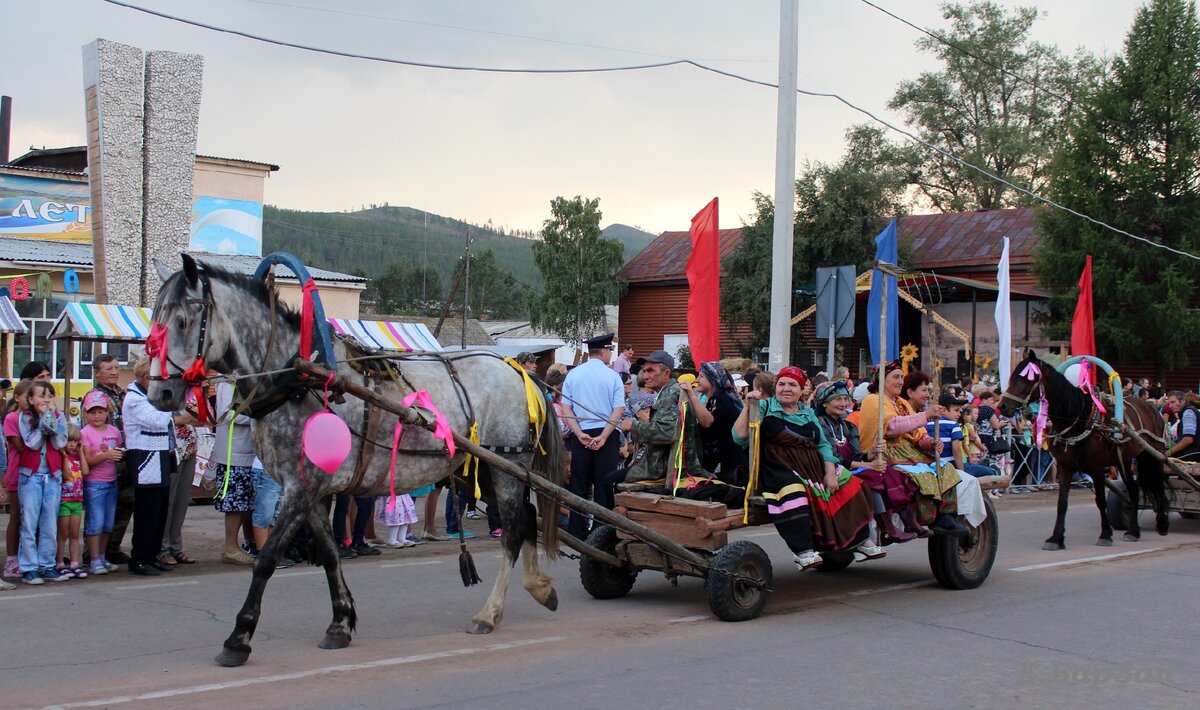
(657, 435)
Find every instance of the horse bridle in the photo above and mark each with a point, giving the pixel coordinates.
(156, 344)
(1022, 403)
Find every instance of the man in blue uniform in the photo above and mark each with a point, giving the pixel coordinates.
(593, 401)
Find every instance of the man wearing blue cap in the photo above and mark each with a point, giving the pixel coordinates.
(593, 401)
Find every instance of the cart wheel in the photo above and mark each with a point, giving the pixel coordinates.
(600, 580)
(965, 562)
(835, 561)
(1118, 511)
(734, 600)
(1188, 515)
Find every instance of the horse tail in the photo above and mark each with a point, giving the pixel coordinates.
(551, 465)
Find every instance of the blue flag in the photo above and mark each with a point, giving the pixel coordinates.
(885, 250)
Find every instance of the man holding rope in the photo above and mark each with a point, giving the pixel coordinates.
(593, 401)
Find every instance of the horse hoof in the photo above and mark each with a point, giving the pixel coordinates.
(1104, 542)
(480, 628)
(1127, 537)
(551, 602)
(231, 658)
(1054, 546)
(1162, 524)
(334, 641)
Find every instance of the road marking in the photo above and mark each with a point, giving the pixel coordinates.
(154, 585)
(282, 677)
(299, 573)
(1035, 510)
(889, 588)
(412, 564)
(1081, 560)
(762, 534)
(688, 619)
(9, 597)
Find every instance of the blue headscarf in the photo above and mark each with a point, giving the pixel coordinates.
(721, 381)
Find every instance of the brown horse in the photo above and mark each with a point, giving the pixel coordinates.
(1083, 439)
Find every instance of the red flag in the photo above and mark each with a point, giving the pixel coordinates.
(704, 287)
(1083, 338)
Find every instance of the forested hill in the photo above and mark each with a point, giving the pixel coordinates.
(369, 240)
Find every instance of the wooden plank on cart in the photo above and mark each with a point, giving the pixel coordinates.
(682, 531)
(670, 505)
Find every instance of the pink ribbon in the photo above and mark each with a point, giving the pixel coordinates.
(1085, 384)
(1031, 371)
(441, 430)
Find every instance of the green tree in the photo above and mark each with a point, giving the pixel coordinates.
(400, 288)
(1133, 161)
(495, 293)
(839, 210)
(976, 108)
(579, 269)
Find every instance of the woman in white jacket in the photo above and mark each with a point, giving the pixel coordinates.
(150, 458)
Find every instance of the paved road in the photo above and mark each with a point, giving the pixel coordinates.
(1105, 627)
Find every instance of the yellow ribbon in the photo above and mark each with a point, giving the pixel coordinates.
(535, 402)
(752, 484)
(679, 445)
(229, 448)
(473, 436)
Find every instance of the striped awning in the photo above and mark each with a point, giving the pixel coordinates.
(10, 321)
(103, 322)
(387, 335)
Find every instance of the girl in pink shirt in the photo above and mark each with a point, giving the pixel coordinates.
(12, 436)
(102, 444)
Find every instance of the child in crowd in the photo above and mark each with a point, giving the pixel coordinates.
(70, 505)
(398, 520)
(43, 432)
(12, 437)
(102, 444)
(975, 447)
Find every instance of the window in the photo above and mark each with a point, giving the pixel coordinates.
(40, 314)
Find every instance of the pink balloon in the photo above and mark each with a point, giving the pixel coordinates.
(326, 441)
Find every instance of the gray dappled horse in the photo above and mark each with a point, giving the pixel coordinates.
(227, 320)
(1081, 440)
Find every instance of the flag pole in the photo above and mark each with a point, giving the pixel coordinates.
(779, 346)
(882, 370)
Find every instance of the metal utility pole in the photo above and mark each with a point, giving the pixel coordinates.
(785, 177)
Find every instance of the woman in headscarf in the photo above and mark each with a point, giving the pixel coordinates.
(933, 498)
(720, 454)
(832, 401)
(813, 502)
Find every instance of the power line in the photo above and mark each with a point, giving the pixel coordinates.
(960, 48)
(678, 62)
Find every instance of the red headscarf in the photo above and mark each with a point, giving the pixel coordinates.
(793, 373)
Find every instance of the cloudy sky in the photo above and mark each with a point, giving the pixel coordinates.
(654, 146)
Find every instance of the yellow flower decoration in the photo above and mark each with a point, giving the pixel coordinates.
(909, 352)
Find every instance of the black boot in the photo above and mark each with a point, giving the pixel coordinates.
(945, 524)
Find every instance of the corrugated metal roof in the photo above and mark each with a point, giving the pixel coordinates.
(45, 251)
(958, 239)
(665, 258)
(37, 169)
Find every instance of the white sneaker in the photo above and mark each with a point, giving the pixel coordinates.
(6, 586)
(868, 551)
(807, 560)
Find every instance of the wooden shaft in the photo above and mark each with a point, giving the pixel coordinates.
(1161, 457)
(412, 417)
(583, 548)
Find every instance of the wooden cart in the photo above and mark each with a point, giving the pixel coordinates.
(738, 574)
(1183, 495)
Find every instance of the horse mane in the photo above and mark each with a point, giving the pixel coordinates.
(1067, 401)
(176, 288)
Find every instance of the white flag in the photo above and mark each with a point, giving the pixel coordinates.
(1003, 319)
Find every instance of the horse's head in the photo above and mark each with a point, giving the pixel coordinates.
(184, 339)
(1022, 385)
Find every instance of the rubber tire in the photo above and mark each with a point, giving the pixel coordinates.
(600, 580)
(950, 569)
(1118, 511)
(835, 561)
(731, 600)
